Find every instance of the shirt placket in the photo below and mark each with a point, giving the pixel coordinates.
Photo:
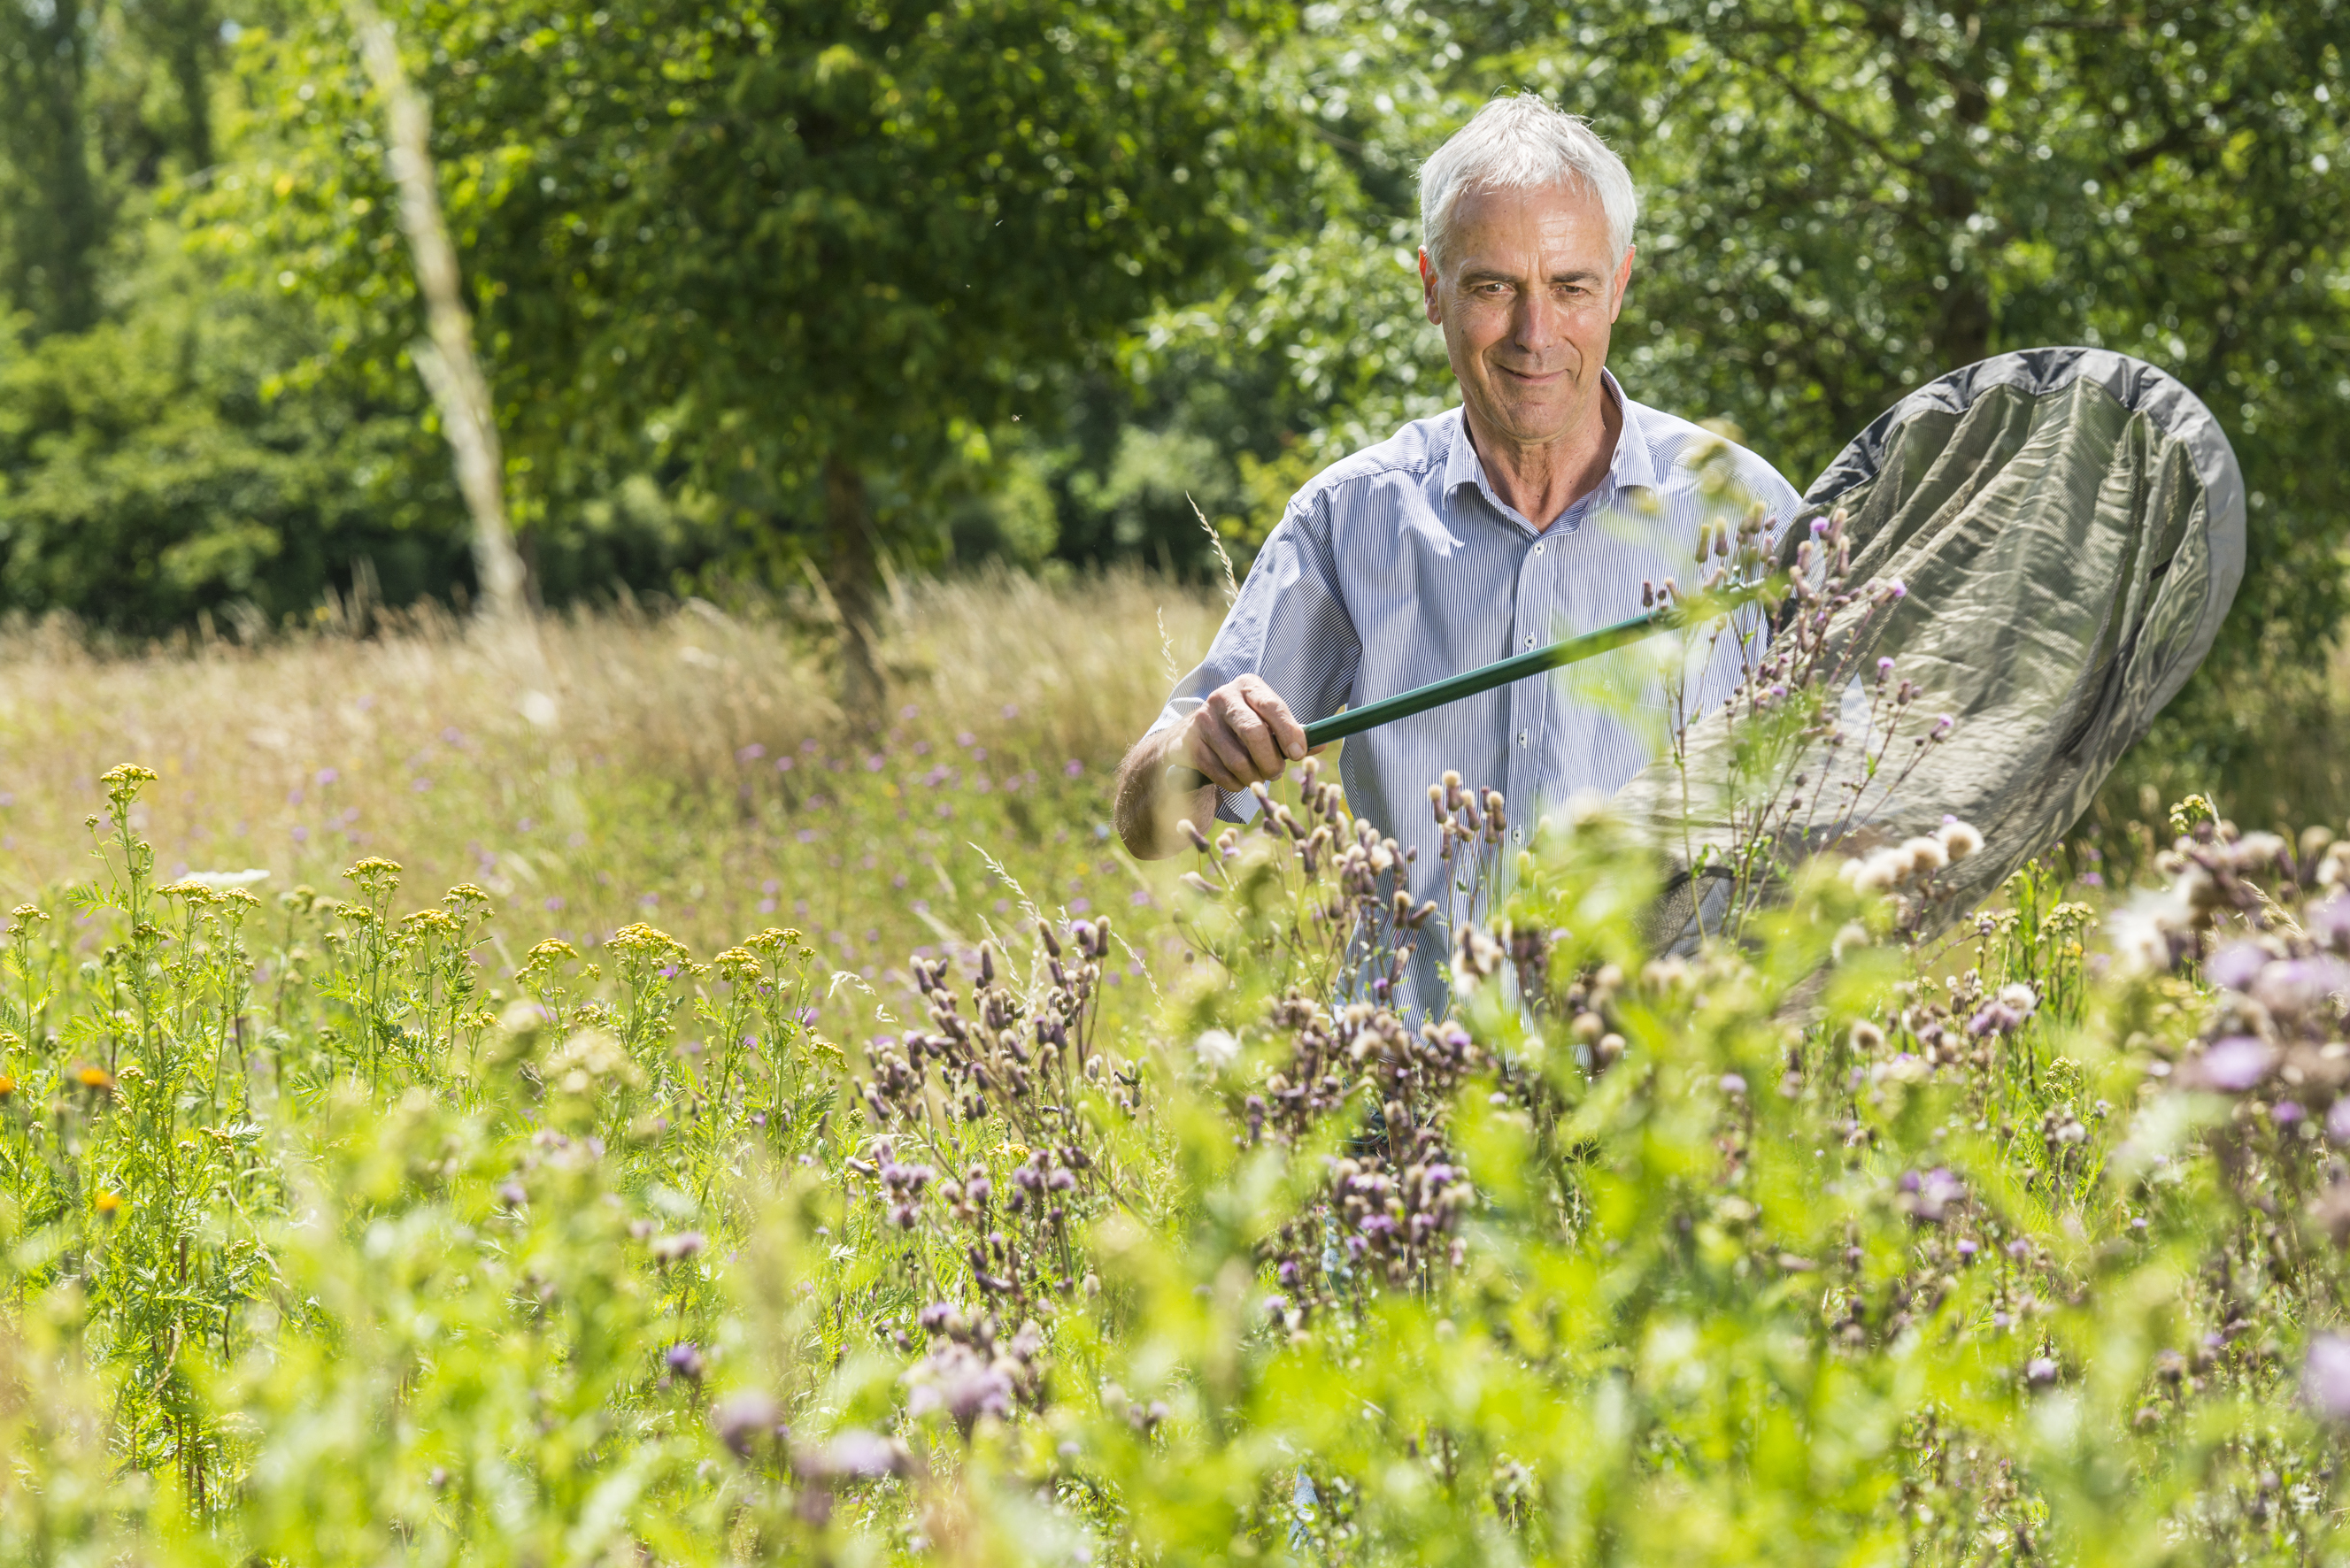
(1530, 698)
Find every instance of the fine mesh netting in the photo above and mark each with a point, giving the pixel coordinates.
(2069, 526)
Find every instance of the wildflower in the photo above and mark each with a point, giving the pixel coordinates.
(2326, 1377)
(1928, 1198)
(2236, 966)
(745, 1419)
(685, 1360)
(7, 1088)
(2337, 1122)
(675, 1249)
(92, 1077)
(1878, 873)
(587, 1060)
(1216, 1048)
(1927, 856)
(2150, 932)
(2296, 987)
(124, 782)
(2231, 1066)
(464, 897)
(855, 1455)
(433, 922)
(954, 1378)
(108, 1204)
(2041, 1372)
(1476, 957)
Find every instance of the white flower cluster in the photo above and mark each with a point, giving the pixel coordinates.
(1913, 860)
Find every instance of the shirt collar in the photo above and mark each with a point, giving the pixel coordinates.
(1630, 468)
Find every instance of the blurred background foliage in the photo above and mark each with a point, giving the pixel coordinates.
(794, 296)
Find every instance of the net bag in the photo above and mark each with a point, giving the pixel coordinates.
(2068, 527)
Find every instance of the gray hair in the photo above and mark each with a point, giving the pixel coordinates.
(1522, 143)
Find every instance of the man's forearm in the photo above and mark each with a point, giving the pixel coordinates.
(1149, 807)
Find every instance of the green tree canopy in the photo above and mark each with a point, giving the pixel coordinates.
(797, 260)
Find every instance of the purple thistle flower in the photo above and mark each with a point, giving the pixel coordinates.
(2297, 986)
(2235, 1064)
(745, 1419)
(856, 1454)
(2326, 1377)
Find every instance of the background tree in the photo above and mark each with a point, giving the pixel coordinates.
(802, 263)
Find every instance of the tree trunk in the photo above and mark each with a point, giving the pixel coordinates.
(852, 575)
(44, 64)
(192, 33)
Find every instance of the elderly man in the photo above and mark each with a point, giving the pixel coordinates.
(1542, 504)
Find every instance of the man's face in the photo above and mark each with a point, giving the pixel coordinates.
(1525, 298)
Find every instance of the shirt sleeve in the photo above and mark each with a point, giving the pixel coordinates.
(1288, 627)
(1781, 501)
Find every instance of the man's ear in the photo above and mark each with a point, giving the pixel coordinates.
(1623, 281)
(1431, 301)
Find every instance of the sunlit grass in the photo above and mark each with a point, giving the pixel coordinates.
(694, 774)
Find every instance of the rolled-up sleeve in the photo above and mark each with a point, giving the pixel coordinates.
(1288, 627)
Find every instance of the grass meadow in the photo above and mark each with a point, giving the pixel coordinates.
(687, 769)
(581, 1099)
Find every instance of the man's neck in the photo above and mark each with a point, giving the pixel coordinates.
(1540, 481)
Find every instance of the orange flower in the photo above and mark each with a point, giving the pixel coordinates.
(95, 1077)
(7, 1088)
(109, 1205)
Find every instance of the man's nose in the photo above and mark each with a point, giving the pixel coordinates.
(1539, 324)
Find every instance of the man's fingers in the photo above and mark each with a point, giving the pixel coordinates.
(1287, 732)
(1218, 753)
(1241, 715)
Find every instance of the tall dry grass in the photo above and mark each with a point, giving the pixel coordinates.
(652, 789)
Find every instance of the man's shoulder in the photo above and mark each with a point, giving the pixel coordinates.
(1412, 453)
(1675, 443)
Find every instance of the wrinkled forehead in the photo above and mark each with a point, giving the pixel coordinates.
(1514, 229)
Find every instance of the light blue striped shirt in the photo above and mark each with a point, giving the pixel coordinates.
(1401, 565)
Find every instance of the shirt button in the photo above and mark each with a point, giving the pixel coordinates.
(1530, 642)
(1522, 738)
(1538, 549)
(1517, 835)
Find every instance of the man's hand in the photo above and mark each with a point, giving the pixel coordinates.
(1242, 734)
